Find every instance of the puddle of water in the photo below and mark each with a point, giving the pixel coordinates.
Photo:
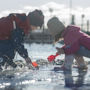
(45, 78)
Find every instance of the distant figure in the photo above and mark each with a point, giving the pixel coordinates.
(13, 28)
(76, 43)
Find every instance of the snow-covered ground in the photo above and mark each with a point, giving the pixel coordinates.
(40, 51)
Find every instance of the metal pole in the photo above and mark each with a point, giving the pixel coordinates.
(70, 6)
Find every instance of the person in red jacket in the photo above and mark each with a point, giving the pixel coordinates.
(76, 43)
(13, 28)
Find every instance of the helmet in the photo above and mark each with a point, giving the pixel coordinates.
(55, 26)
(36, 18)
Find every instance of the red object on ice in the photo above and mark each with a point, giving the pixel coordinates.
(52, 57)
(34, 64)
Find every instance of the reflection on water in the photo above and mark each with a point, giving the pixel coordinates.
(70, 82)
(46, 78)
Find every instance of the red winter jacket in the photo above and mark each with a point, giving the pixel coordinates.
(6, 25)
(74, 38)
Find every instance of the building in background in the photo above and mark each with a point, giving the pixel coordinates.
(39, 36)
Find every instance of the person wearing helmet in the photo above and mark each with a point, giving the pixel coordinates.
(13, 28)
(76, 43)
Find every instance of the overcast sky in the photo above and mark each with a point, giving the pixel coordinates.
(17, 4)
(61, 8)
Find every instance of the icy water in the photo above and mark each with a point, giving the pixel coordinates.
(46, 78)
